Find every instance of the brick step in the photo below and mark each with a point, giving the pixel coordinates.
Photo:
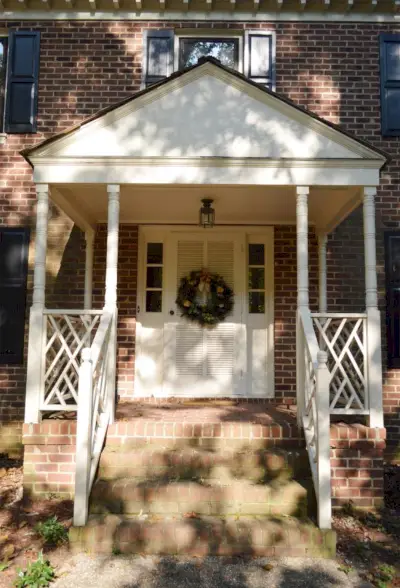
(201, 536)
(183, 461)
(233, 497)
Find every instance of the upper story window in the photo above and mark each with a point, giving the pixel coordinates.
(390, 84)
(192, 48)
(19, 76)
(251, 53)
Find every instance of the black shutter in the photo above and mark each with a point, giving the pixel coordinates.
(392, 250)
(13, 273)
(390, 84)
(22, 82)
(259, 57)
(158, 55)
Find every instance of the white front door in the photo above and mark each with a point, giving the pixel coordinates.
(176, 357)
(205, 361)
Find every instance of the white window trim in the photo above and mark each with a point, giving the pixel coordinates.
(211, 34)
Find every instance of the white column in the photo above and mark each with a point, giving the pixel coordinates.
(34, 383)
(302, 245)
(112, 246)
(89, 237)
(374, 350)
(322, 275)
(302, 289)
(111, 288)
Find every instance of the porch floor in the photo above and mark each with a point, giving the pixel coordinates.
(207, 418)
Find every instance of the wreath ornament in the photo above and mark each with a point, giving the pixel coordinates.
(204, 298)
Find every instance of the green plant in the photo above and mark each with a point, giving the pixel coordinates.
(116, 550)
(52, 531)
(3, 566)
(346, 569)
(38, 574)
(348, 509)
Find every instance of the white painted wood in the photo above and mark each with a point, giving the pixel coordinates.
(35, 384)
(89, 237)
(323, 441)
(207, 171)
(302, 245)
(371, 288)
(200, 15)
(374, 345)
(322, 273)
(112, 246)
(83, 440)
(72, 311)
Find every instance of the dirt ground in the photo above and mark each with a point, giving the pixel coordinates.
(364, 543)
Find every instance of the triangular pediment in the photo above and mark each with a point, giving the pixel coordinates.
(207, 111)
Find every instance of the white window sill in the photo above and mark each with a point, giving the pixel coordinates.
(3, 138)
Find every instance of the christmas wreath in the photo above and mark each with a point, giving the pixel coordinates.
(204, 297)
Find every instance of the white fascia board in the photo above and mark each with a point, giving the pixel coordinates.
(276, 16)
(205, 174)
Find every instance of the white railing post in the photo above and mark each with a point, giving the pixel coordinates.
(323, 442)
(374, 351)
(322, 274)
(89, 237)
(302, 290)
(35, 376)
(111, 289)
(83, 439)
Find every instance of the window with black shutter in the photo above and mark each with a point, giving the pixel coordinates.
(251, 53)
(19, 76)
(390, 84)
(392, 250)
(14, 244)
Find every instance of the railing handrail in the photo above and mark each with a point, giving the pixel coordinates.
(339, 315)
(100, 338)
(72, 311)
(309, 334)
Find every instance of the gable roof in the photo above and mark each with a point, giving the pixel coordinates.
(352, 146)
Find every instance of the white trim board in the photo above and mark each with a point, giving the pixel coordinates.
(352, 17)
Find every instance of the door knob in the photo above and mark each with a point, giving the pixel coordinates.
(171, 312)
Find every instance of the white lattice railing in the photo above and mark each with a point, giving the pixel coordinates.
(95, 406)
(313, 406)
(67, 333)
(344, 338)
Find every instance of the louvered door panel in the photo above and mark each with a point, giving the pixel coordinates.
(190, 257)
(220, 259)
(190, 353)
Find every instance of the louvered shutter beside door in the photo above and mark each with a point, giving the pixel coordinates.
(158, 55)
(390, 84)
(22, 82)
(13, 273)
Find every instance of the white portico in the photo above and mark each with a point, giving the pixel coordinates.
(207, 132)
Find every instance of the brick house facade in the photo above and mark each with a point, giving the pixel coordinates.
(330, 68)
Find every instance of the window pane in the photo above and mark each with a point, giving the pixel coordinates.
(256, 278)
(256, 302)
(3, 53)
(190, 51)
(155, 253)
(256, 254)
(153, 301)
(154, 277)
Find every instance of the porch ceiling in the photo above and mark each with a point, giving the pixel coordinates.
(179, 204)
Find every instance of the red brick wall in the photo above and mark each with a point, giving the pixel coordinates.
(127, 304)
(357, 465)
(331, 68)
(49, 458)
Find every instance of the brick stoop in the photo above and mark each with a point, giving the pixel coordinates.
(203, 478)
(201, 536)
